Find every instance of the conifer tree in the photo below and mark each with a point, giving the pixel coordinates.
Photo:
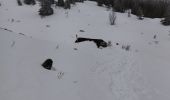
(119, 5)
(72, 1)
(67, 4)
(45, 9)
(19, 2)
(29, 2)
(100, 2)
(140, 14)
(166, 21)
(61, 3)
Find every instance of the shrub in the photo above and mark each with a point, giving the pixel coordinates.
(126, 47)
(109, 44)
(112, 17)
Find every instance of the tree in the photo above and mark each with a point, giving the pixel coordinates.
(45, 9)
(129, 12)
(72, 1)
(29, 2)
(67, 4)
(61, 3)
(107, 3)
(19, 2)
(100, 2)
(118, 5)
(140, 13)
(166, 20)
(79, 0)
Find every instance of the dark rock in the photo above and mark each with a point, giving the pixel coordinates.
(98, 42)
(48, 64)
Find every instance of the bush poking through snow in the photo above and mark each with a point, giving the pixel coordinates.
(60, 75)
(126, 47)
(48, 64)
(109, 44)
(112, 17)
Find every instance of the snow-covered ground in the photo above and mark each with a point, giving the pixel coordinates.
(83, 72)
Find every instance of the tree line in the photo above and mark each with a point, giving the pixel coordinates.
(144, 8)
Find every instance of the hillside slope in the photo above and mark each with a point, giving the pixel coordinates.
(83, 72)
